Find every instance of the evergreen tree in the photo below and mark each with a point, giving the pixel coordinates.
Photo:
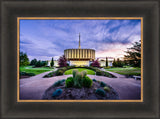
(33, 62)
(134, 55)
(52, 62)
(38, 64)
(114, 63)
(119, 63)
(24, 60)
(106, 62)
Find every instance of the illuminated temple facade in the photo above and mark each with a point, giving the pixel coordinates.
(79, 57)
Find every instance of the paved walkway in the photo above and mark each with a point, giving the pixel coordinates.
(34, 87)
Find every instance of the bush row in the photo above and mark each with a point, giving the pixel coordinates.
(26, 74)
(61, 71)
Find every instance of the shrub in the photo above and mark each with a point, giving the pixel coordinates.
(94, 80)
(63, 80)
(99, 73)
(58, 83)
(74, 72)
(100, 92)
(30, 74)
(78, 80)
(84, 73)
(59, 72)
(23, 73)
(56, 93)
(102, 84)
(87, 82)
(49, 75)
(106, 89)
(69, 82)
(26, 74)
(95, 64)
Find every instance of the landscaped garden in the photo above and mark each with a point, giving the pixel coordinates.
(80, 86)
(90, 70)
(31, 71)
(126, 71)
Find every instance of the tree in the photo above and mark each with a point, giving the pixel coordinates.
(114, 63)
(24, 60)
(119, 63)
(41, 63)
(106, 62)
(62, 61)
(52, 62)
(33, 62)
(95, 63)
(38, 64)
(134, 54)
(44, 63)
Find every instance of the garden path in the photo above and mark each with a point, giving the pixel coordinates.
(33, 88)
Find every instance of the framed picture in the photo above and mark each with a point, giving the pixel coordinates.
(79, 59)
(108, 62)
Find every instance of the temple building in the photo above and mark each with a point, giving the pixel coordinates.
(79, 57)
(82, 57)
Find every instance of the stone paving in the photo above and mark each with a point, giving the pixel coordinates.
(33, 88)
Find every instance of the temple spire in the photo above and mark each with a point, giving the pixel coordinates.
(79, 42)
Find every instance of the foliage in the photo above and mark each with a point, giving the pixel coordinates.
(78, 80)
(117, 63)
(58, 83)
(69, 82)
(94, 80)
(106, 88)
(106, 62)
(134, 55)
(84, 73)
(90, 70)
(100, 92)
(87, 82)
(26, 74)
(40, 63)
(98, 73)
(52, 62)
(51, 74)
(63, 80)
(74, 72)
(114, 63)
(33, 62)
(57, 92)
(102, 84)
(59, 72)
(95, 63)
(24, 60)
(62, 62)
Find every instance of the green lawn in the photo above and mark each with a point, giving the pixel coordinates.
(126, 71)
(91, 72)
(29, 69)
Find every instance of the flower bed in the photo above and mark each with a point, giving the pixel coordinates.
(80, 87)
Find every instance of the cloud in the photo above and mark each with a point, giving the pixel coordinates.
(43, 39)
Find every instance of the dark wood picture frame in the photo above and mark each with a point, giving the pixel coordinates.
(11, 9)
